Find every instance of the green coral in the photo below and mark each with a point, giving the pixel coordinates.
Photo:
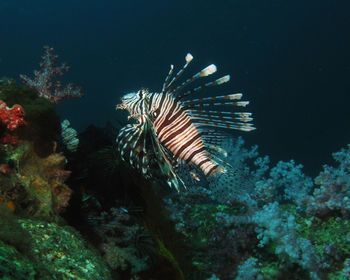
(205, 217)
(330, 231)
(270, 270)
(343, 274)
(12, 233)
(64, 252)
(13, 265)
(56, 253)
(325, 232)
(322, 233)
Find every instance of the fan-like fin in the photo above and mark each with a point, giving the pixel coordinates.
(188, 59)
(203, 73)
(165, 85)
(219, 81)
(123, 139)
(224, 116)
(223, 124)
(209, 140)
(234, 96)
(136, 148)
(217, 149)
(215, 101)
(131, 142)
(212, 136)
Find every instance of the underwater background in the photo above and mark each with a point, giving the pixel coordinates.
(278, 220)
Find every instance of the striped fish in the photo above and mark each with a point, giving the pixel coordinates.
(172, 128)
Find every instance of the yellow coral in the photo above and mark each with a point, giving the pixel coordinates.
(43, 179)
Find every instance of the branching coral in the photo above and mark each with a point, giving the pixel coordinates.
(333, 195)
(43, 79)
(125, 244)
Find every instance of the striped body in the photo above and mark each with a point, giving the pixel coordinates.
(176, 131)
(169, 131)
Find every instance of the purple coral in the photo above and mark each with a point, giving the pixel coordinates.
(43, 79)
(286, 182)
(281, 228)
(334, 191)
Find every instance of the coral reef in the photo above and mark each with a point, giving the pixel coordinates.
(255, 221)
(261, 222)
(56, 253)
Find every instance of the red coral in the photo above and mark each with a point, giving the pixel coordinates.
(11, 117)
(9, 139)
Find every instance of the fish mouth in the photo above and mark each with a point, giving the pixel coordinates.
(121, 106)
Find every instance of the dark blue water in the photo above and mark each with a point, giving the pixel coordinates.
(290, 58)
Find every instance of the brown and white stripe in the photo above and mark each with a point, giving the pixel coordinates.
(176, 131)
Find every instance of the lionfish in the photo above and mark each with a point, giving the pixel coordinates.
(171, 130)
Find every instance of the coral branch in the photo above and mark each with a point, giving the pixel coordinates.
(43, 79)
